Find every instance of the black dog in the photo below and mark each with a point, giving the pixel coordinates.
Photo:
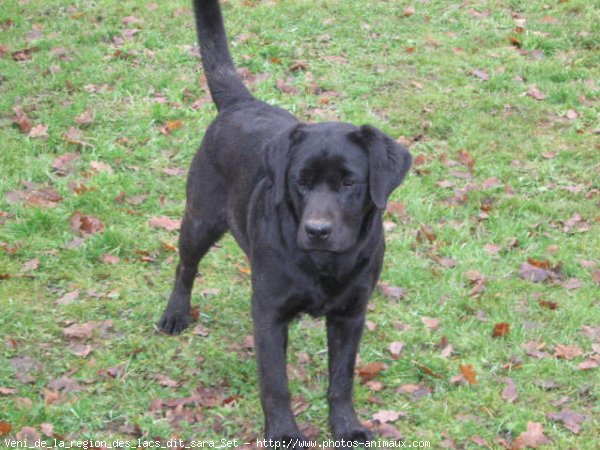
(305, 203)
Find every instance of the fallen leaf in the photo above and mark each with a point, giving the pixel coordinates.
(63, 164)
(68, 298)
(391, 292)
(509, 393)
(74, 136)
(286, 88)
(47, 429)
(369, 371)
(468, 372)
(482, 74)
(5, 427)
(165, 381)
(86, 225)
(80, 332)
(501, 329)
(431, 322)
(570, 419)
(28, 434)
(408, 11)
(567, 351)
(81, 350)
(532, 438)
(31, 265)
(107, 258)
(396, 348)
(85, 118)
(533, 348)
(165, 223)
(548, 304)
(388, 416)
(38, 131)
(20, 118)
(480, 441)
(535, 93)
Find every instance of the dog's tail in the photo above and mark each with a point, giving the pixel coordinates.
(225, 84)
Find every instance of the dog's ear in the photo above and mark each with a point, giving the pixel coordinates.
(389, 162)
(277, 156)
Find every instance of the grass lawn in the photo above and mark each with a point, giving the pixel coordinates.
(486, 331)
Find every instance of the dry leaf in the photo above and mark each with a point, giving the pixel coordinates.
(501, 329)
(532, 438)
(165, 223)
(509, 393)
(369, 371)
(567, 351)
(570, 419)
(468, 372)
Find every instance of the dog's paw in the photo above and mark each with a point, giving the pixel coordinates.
(173, 323)
(287, 441)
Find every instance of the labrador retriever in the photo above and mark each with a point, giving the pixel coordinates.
(305, 203)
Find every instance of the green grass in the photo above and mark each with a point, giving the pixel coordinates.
(412, 77)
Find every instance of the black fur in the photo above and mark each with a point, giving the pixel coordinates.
(305, 203)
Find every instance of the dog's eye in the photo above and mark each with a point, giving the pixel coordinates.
(348, 183)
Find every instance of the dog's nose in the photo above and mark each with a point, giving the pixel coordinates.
(318, 229)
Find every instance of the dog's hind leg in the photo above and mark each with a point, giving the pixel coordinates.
(204, 222)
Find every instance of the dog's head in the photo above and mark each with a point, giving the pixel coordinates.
(332, 175)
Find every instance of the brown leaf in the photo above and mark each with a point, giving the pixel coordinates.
(482, 74)
(5, 428)
(570, 419)
(63, 165)
(24, 54)
(38, 131)
(388, 416)
(78, 331)
(369, 371)
(509, 393)
(30, 265)
(548, 304)
(28, 434)
(445, 261)
(572, 283)
(532, 438)
(535, 93)
(391, 292)
(81, 350)
(468, 372)
(396, 348)
(533, 348)
(492, 249)
(567, 351)
(85, 225)
(589, 364)
(107, 258)
(165, 381)
(20, 118)
(286, 88)
(74, 136)
(68, 298)
(85, 118)
(501, 329)
(408, 11)
(47, 429)
(480, 441)
(431, 322)
(165, 223)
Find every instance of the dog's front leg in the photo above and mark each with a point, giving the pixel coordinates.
(343, 337)
(270, 343)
